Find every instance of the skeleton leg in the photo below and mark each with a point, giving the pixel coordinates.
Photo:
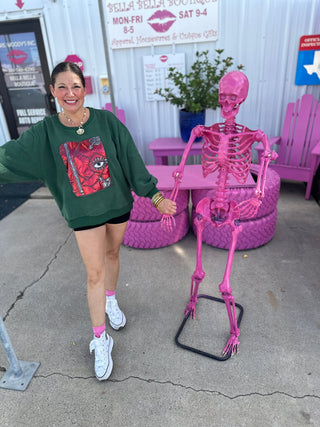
(198, 274)
(226, 293)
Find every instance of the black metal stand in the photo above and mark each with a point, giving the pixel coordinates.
(203, 353)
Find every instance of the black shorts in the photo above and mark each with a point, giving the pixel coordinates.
(117, 220)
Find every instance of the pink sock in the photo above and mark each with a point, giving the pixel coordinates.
(110, 293)
(98, 330)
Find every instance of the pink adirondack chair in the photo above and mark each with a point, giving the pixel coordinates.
(119, 113)
(299, 144)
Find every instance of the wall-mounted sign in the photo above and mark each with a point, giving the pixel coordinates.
(137, 23)
(104, 85)
(76, 60)
(156, 68)
(308, 66)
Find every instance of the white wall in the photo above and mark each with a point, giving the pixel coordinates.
(261, 34)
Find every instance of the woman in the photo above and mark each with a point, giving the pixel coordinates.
(89, 162)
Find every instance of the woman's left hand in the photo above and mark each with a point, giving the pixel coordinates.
(167, 207)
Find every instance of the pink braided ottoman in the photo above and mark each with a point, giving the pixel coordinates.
(144, 229)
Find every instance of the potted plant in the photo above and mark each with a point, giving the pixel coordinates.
(196, 91)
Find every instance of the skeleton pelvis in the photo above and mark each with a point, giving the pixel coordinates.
(217, 212)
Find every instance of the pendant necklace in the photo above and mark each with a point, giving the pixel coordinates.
(80, 130)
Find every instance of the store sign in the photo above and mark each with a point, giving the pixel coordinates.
(76, 60)
(20, 62)
(138, 23)
(308, 66)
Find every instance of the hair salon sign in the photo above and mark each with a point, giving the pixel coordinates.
(138, 23)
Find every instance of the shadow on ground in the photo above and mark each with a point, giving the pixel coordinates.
(13, 195)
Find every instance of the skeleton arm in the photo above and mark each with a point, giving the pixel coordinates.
(249, 208)
(266, 158)
(178, 173)
(168, 221)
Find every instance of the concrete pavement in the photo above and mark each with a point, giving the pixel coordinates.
(273, 381)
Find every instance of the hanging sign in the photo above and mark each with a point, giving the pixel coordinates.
(308, 66)
(138, 23)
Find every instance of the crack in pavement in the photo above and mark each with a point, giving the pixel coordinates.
(21, 293)
(199, 390)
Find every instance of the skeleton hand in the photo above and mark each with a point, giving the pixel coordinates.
(167, 223)
(167, 208)
(249, 208)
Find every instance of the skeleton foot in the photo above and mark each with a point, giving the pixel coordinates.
(232, 345)
(168, 222)
(191, 307)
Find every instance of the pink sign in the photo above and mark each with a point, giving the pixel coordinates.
(76, 60)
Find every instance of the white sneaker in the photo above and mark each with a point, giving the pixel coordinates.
(103, 363)
(116, 317)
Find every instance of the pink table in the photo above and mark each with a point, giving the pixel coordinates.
(164, 147)
(193, 178)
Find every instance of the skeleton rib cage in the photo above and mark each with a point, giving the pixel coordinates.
(231, 153)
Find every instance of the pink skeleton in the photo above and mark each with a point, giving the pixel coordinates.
(227, 150)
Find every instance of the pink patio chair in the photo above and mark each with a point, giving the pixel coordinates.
(299, 144)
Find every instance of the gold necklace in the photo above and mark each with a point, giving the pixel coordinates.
(80, 130)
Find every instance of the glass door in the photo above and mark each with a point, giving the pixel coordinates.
(24, 75)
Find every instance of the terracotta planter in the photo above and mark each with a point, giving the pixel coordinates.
(188, 121)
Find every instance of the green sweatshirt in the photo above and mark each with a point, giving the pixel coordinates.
(90, 176)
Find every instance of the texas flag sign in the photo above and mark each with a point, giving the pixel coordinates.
(308, 66)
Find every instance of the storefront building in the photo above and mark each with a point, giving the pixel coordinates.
(120, 46)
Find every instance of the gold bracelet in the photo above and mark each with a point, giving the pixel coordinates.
(155, 196)
(158, 201)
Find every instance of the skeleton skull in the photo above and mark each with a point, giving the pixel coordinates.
(233, 90)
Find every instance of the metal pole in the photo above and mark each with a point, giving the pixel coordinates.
(11, 355)
(106, 51)
(20, 373)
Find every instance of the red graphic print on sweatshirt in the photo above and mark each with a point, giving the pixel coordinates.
(87, 165)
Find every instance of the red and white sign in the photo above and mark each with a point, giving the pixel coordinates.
(310, 42)
(308, 65)
(137, 23)
(76, 60)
